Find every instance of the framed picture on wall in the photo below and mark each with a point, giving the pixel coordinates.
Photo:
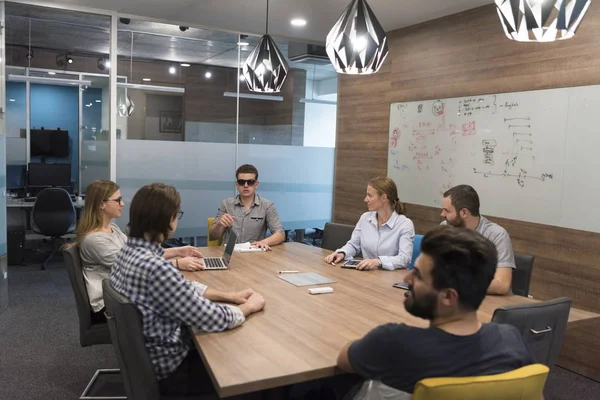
(171, 122)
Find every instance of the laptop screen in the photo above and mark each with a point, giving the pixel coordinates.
(230, 246)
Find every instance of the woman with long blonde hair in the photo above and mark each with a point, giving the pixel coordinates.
(383, 234)
(99, 240)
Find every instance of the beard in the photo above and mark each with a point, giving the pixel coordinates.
(457, 222)
(423, 307)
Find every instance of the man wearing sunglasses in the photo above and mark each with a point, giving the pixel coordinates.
(248, 214)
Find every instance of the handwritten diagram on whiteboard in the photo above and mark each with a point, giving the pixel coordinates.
(510, 147)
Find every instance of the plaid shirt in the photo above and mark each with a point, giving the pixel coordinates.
(167, 302)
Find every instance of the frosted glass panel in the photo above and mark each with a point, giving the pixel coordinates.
(299, 180)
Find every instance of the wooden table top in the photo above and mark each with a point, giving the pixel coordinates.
(298, 336)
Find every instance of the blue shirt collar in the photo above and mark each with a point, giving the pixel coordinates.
(146, 244)
(390, 222)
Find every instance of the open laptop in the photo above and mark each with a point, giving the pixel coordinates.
(222, 262)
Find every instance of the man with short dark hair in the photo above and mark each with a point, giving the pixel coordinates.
(167, 301)
(248, 214)
(446, 287)
(460, 208)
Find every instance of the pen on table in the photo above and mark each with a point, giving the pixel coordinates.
(287, 272)
(332, 263)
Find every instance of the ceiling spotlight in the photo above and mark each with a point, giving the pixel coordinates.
(208, 75)
(184, 28)
(125, 21)
(172, 70)
(185, 65)
(69, 58)
(298, 22)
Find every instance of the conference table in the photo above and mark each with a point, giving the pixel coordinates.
(298, 336)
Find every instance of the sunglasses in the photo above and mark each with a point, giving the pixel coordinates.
(242, 182)
(118, 200)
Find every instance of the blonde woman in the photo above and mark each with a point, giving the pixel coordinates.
(383, 234)
(100, 240)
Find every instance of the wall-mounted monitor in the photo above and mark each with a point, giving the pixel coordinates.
(49, 143)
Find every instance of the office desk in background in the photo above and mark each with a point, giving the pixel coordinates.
(298, 336)
(27, 208)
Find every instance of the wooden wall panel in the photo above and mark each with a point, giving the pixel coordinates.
(460, 55)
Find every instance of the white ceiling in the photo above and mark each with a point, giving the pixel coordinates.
(248, 16)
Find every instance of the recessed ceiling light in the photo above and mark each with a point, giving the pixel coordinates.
(298, 22)
(184, 64)
(172, 70)
(208, 74)
(51, 73)
(146, 79)
(11, 99)
(242, 43)
(98, 101)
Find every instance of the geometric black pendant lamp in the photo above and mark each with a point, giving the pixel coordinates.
(265, 69)
(541, 20)
(357, 43)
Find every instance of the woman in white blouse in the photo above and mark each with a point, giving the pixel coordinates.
(383, 234)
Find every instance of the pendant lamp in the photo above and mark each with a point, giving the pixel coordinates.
(126, 106)
(541, 20)
(265, 69)
(357, 43)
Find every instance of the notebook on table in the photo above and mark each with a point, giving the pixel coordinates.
(306, 279)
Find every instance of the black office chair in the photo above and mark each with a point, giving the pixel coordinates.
(542, 326)
(521, 278)
(53, 215)
(92, 329)
(336, 235)
(106, 383)
(125, 325)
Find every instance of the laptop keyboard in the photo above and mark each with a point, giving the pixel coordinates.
(214, 263)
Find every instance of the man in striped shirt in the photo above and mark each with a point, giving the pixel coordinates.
(167, 301)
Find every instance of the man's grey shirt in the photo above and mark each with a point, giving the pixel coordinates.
(250, 225)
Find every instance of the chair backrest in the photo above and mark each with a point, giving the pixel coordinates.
(125, 324)
(209, 242)
(416, 250)
(89, 333)
(521, 278)
(53, 212)
(542, 326)
(526, 383)
(336, 235)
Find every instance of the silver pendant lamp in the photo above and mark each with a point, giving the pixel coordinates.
(357, 43)
(265, 69)
(541, 20)
(126, 106)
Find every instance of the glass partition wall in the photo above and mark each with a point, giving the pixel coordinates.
(184, 114)
(57, 76)
(193, 122)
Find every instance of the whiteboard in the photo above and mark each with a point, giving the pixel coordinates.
(531, 156)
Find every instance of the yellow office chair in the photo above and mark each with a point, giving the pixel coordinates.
(209, 242)
(526, 383)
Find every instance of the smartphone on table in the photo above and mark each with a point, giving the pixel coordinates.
(351, 264)
(401, 285)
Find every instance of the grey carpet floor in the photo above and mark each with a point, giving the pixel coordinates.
(40, 356)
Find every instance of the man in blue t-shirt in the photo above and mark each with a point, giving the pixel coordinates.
(447, 286)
